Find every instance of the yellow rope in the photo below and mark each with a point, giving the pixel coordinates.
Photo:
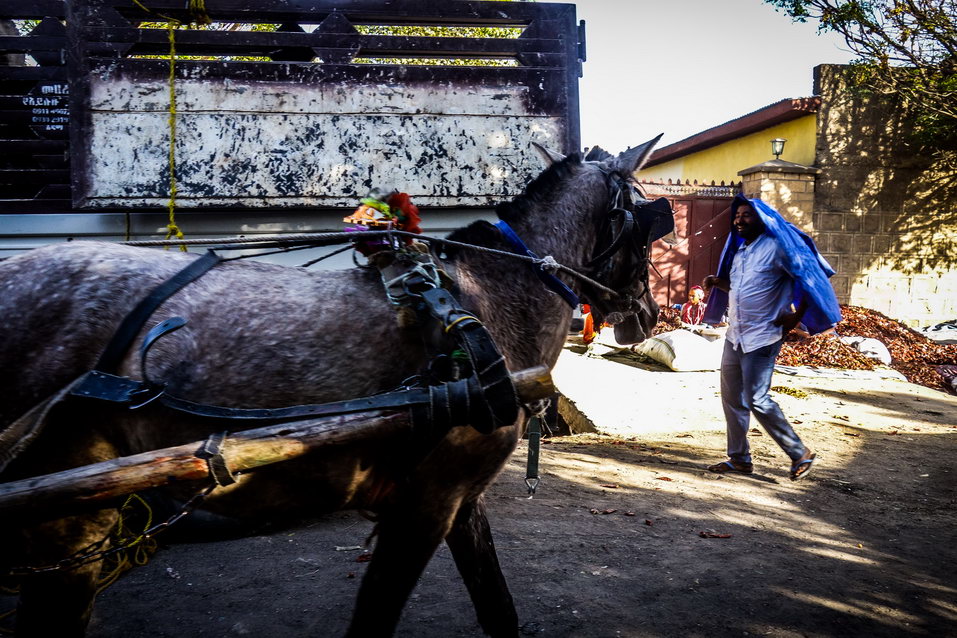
(3, 630)
(137, 552)
(148, 10)
(172, 229)
(197, 15)
(197, 12)
(138, 549)
(452, 325)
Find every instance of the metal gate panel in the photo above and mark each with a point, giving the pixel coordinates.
(702, 223)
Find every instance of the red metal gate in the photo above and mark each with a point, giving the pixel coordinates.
(702, 223)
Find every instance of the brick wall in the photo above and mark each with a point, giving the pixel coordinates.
(885, 212)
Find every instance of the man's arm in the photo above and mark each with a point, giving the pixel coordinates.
(789, 321)
(713, 281)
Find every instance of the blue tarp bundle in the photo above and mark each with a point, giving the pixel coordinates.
(809, 270)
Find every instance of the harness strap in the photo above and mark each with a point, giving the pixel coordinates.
(212, 452)
(534, 447)
(627, 227)
(132, 323)
(498, 406)
(485, 400)
(552, 282)
(435, 409)
(122, 390)
(400, 399)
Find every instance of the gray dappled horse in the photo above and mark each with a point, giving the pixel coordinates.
(261, 335)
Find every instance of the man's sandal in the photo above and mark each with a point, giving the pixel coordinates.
(802, 468)
(724, 467)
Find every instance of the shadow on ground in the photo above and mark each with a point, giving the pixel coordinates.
(612, 546)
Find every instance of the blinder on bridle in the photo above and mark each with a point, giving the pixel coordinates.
(629, 227)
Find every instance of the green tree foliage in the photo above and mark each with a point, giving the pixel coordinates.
(384, 30)
(906, 49)
(24, 27)
(441, 32)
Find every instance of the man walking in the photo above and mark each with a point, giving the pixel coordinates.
(770, 278)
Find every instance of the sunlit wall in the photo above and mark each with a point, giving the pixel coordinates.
(722, 162)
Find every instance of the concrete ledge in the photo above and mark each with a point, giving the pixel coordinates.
(780, 166)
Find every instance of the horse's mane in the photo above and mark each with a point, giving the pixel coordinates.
(537, 191)
(597, 154)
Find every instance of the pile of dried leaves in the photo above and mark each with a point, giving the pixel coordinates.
(912, 354)
(823, 351)
(668, 319)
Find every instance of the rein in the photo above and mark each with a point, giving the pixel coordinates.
(543, 265)
(314, 240)
(632, 226)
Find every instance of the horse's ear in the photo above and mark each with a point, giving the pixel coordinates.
(550, 157)
(633, 159)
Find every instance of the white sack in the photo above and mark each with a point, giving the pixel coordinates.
(870, 348)
(682, 351)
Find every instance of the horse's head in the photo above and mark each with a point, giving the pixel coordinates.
(625, 225)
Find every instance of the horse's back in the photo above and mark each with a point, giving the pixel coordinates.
(257, 335)
(58, 306)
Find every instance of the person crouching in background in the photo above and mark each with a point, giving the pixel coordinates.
(692, 312)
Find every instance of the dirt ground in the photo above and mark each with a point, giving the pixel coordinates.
(618, 540)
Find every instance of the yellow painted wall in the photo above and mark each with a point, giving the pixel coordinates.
(722, 162)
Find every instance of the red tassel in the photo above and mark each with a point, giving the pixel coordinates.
(409, 218)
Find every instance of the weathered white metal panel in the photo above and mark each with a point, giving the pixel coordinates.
(120, 94)
(261, 144)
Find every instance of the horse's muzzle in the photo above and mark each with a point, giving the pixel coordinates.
(634, 326)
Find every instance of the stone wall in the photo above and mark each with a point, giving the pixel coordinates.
(885, 211)
(788, 188)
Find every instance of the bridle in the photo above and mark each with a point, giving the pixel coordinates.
(628, 229)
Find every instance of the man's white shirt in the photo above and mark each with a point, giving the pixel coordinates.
(761, 291)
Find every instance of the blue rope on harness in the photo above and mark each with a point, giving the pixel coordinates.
(552, 282)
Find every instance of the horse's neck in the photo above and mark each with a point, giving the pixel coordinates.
(527, 322)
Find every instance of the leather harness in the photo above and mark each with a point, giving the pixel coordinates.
(486, 399)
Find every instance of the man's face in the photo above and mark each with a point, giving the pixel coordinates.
(695, 296)
(747, 222)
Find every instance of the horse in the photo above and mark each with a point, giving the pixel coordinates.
(260, 335)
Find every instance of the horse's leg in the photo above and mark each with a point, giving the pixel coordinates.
(59, 603)
(407, 537)
(470, 540)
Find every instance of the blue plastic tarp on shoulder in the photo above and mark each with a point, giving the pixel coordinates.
(809, 270)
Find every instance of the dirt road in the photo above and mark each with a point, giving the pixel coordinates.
(612, 544)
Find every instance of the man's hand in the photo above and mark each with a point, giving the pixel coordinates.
(790, 320)
(713, 281)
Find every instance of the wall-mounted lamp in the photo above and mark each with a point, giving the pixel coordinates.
(777, 147)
